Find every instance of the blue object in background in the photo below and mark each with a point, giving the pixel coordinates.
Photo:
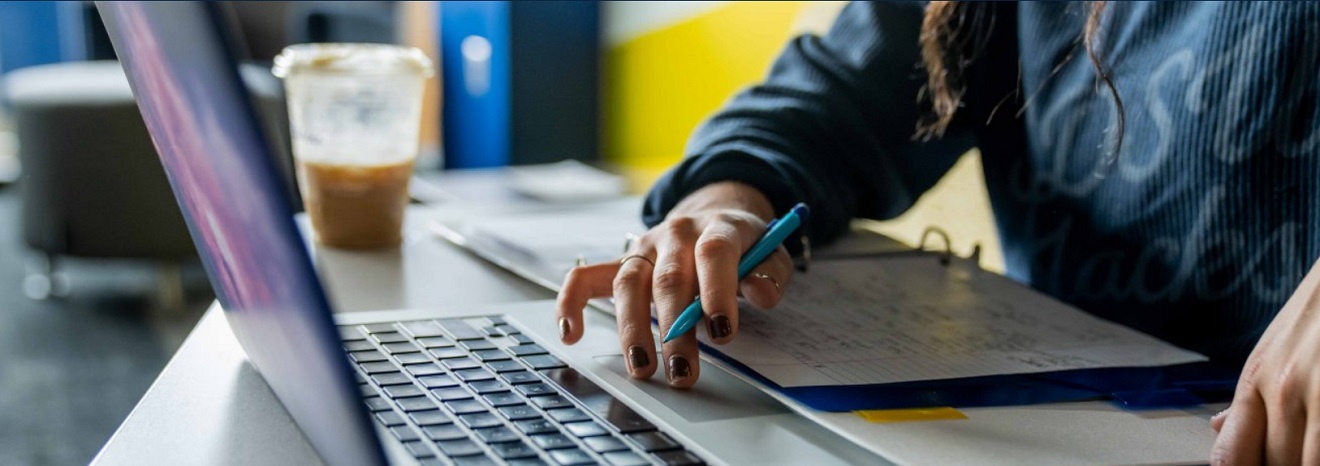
(37, 33)
(474, 46)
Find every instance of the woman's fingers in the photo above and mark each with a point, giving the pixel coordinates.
(632, 305)
(581, 285)
(717, 254)
(766, 284)
(673, 288)
(1242, 438)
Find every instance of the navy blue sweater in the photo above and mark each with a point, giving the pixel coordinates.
(1196, 233)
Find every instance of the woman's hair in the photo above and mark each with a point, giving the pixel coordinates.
(952, 35)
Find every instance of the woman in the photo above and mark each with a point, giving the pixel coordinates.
(1152, 163)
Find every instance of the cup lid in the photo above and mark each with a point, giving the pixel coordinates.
(350, 58)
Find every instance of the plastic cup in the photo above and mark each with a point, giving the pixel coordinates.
(354, 113)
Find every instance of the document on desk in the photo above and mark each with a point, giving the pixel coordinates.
(907, 318)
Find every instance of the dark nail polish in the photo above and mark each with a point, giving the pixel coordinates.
(720, 326)
(678, 368)
(637, 357)
(563, 328)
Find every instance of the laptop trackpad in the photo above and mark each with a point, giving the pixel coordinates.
(717, 396)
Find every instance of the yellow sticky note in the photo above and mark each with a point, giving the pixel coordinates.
(907, 415)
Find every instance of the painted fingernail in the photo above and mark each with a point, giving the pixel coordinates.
(720, 326)
(679, 368)
(637, 358)
(563, 328)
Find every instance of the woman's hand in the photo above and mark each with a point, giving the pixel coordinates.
(1275, 416)
(695, 250)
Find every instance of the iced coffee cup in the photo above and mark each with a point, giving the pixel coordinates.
(354, 114)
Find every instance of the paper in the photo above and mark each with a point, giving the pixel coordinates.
(909, 318)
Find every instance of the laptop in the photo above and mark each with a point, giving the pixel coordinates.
(460, 387)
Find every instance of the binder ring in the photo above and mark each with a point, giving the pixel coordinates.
(636, 256)
(947, 253)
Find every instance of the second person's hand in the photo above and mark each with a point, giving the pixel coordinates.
(693, 253)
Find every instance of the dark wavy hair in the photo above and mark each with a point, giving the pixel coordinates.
(950, 43)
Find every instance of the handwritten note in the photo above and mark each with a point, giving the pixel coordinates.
(899, 319)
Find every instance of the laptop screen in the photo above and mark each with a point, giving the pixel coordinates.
(223, 173)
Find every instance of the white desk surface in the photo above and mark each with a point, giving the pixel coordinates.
(209, 406)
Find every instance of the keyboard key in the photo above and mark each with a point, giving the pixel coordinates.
(419, 449)
(526, 350)
(503, 399)
(390, 418)
(436, 342)
(479, 420)
(367, 390)
(351, 333)
(535, 389)
(404, 433)
(511, 450)
(459, 330)
(403, 391)
(651, 442)
(377, 403)
(522, 339)
(462, 447)
(678, 458)
(465, 406)
(457, 364)
(423, 369)
(605, 444)
(400, 348)
(482, 460)
(571, 457)
(430, 418)
(586, 429)
(543, 362)
(536, 426)
(488, 386)
(422, 328)
(491, 331)
(552, 402)
(496, 320)
(438, 381)
(444, 432)
(357, 377)
(391, 378)
(391, 337)
(508, 329)
(473, 375)
(552, 441)
(496, 434)
(450, 352)
(568, 415)
(625, 458)
(616, 414)
(379, 367)
(379, 328)
(416, 403)
(451, 393)
(515, 378)
(519, 412)
(359, 345)
(477, 345)
(411, 358)
(489, 355)
(504, 366)
(370, 355)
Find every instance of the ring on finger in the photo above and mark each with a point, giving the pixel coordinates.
(636, 256)
(771, 279)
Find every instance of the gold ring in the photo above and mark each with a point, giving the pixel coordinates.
(767, 277)
(636, 256)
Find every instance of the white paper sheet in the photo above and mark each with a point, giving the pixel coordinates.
(908, 318)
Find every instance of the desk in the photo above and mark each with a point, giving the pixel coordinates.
(210, 407)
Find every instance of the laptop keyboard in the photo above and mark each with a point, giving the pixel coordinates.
(477, 391)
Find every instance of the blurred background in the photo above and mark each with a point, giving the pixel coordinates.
(99, 283)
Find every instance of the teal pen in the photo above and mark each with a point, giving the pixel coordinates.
(776, 232)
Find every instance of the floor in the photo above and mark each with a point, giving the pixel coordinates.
(72, 368)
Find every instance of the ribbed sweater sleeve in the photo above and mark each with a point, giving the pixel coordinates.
(831, 125)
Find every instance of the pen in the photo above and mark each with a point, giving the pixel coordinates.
(776, 232)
